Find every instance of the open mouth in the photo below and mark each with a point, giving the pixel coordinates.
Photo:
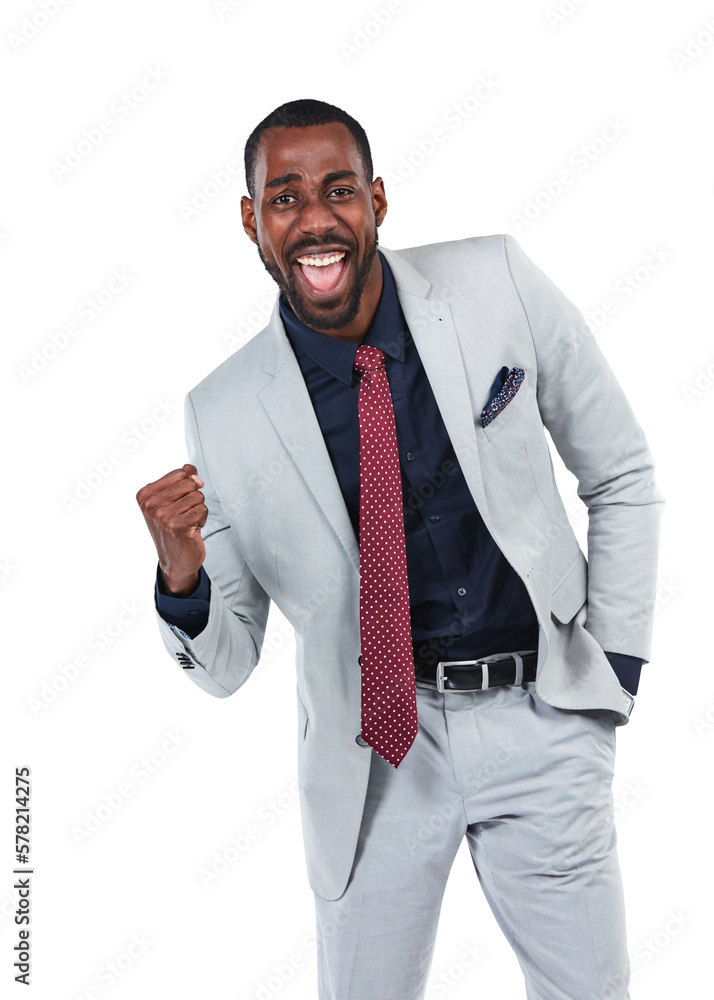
(323, 273)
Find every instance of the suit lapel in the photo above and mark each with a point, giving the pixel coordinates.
(290, 409)
(433, 330)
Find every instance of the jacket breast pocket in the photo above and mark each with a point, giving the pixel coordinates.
(511, 411)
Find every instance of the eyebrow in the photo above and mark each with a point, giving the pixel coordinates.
(336, 175)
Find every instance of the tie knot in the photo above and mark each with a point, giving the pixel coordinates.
(367, 358)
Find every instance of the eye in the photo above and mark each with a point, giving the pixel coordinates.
(277, 200)
(345, 190)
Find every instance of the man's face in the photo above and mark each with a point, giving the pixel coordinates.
(313, 202)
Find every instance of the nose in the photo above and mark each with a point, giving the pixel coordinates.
(316, 217)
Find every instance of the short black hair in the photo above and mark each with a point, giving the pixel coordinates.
(302, 114)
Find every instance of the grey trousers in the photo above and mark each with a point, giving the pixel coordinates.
(530, 786)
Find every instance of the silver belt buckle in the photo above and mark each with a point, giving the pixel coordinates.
(483, 663)
(473, 663)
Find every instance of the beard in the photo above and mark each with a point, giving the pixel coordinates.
(325, 317)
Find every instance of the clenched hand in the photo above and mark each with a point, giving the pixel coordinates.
(175, 512)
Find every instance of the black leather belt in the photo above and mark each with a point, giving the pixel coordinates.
(478, 675)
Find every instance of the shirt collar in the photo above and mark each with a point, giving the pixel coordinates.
(386, 332)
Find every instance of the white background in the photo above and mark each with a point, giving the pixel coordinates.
(194, 291)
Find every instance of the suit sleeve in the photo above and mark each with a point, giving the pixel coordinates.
(223, 654)
(597, 435)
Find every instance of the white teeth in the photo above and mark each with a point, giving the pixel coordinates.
(321, 261)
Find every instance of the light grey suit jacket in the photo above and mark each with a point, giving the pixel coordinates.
(278, 528)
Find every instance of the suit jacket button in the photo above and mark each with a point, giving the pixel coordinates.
(362, 743)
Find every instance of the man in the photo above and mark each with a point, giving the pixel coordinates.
(375, 462)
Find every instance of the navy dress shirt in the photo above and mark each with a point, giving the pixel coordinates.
(465, 598)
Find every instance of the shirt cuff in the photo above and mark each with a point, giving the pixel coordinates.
(188, 614)
(627, 669)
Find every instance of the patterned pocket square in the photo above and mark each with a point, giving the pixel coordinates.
(505, 386)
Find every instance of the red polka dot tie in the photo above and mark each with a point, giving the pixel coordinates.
(389, 709)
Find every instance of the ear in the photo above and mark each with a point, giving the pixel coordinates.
(248, 217)
(379, 199)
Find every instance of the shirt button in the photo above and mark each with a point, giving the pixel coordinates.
(461, 591)
(434, 518)
(362, 743)
(410, 456)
